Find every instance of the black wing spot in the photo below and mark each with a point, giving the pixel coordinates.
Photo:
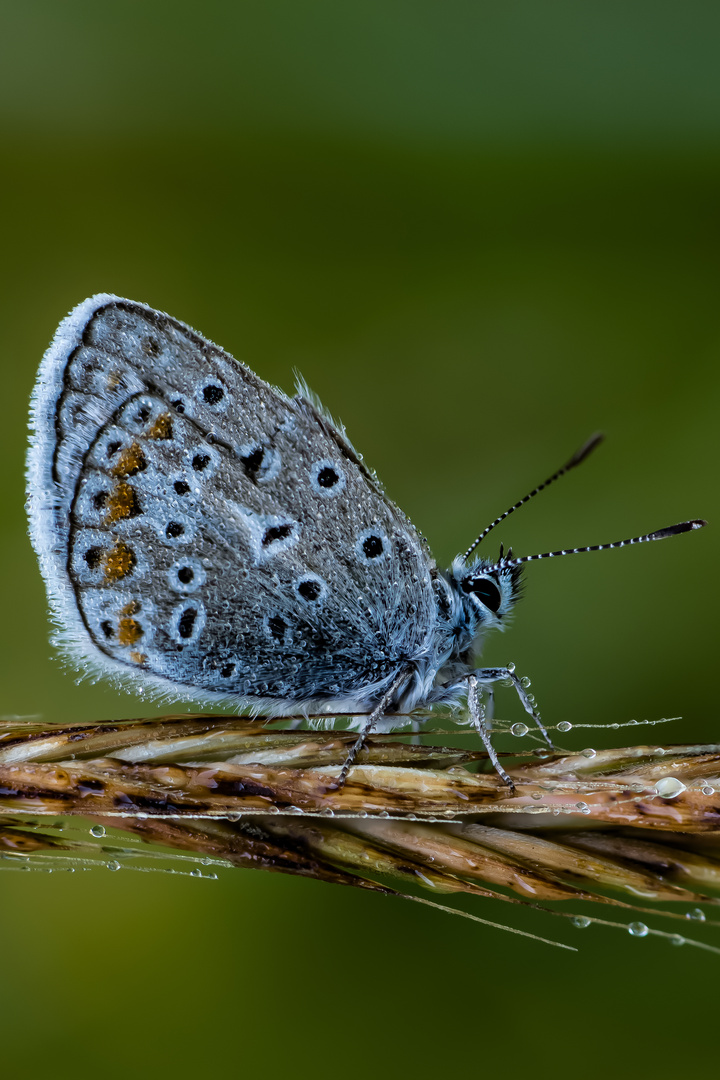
(276, 532)
(252, 462)
(327, 477)
(277, 627)
(227, 671)
(372, 546)
(93, 556)
(178, 406)
(113, 447)
(186, 622)
(185, 574)
(200, 462)
(107, 628)
(174, 529)
(99, 499)
(181, 487)
(143, 415)
(309, 590)
(213, 394)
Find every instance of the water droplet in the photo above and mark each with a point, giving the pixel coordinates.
(97, 830)
(696, 914)
(537, 795)
(582, 807)
(669, 787)
(519, 729)
(677, 939)
(511, 668)
(708, 789)
(638, 929)
(113, 865)
(212, 876)
(197, 872)
(581, 921)
(632, 723)
(589, 753)
(564, 725)
(525, 682)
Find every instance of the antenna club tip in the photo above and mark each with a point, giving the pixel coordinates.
(699, 523)
(585, 450)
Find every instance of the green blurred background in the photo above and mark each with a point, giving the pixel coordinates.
(481, 232)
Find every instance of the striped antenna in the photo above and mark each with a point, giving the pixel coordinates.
(578, 457)
(660, 534)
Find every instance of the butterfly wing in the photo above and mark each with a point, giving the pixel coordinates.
(202, 532)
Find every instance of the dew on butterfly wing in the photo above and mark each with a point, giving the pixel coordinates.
(519, 729)
(638, 929)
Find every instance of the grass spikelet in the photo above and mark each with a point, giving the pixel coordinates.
(634, 828)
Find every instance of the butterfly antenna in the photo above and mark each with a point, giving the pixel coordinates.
(578, 457)
(659, 534)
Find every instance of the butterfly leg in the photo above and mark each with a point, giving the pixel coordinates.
(491, 675)
(477, 716)
(373, 717)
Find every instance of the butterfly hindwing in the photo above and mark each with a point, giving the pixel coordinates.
(204, 530)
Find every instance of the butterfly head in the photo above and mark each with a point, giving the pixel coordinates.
(487, 590)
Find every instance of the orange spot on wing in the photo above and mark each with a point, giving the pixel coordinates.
(122, 502)
(119, 562)
(162, 428)
(129, 631)
(131, 461)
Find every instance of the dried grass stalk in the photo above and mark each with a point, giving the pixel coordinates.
(622, 827)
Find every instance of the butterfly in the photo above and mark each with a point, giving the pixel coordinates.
(202, 534)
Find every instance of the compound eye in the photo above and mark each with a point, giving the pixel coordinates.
(488, 593)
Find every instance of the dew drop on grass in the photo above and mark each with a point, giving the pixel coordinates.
(638, 929)
(669, 787)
